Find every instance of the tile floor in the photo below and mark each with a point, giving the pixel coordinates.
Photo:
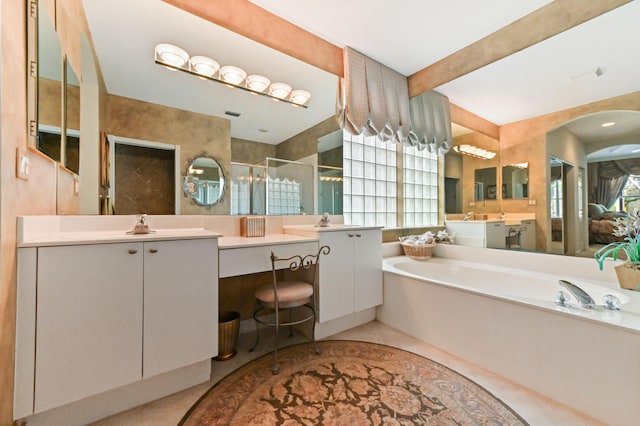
(534, 408)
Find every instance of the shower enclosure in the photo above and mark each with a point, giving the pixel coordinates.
(330, 190)
(277, 187)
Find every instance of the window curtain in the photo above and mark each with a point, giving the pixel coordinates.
(373, 100)
(607, 179)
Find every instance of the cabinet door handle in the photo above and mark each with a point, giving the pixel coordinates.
(153, 250)
(132, 251)
(358, 235)
(350, 235)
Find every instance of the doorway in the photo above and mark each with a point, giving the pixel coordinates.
(452, 200)
(145, 177)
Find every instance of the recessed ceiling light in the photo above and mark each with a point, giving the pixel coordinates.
(609, 124)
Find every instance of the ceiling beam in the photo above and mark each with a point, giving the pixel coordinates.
(546, 22)
(251, 21)
(474, 122)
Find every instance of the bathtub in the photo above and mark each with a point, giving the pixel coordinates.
(503, 318)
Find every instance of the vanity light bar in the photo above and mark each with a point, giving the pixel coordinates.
(176, 59)
(474, 151)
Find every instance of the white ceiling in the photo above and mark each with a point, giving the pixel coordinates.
(126, 32)
(556, 74)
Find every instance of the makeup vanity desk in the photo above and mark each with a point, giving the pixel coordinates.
(249, 255)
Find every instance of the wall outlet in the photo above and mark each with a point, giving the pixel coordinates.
(22, 164)
(76, 185)
(472, 204)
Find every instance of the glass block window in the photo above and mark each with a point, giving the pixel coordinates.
(369, 186)
(420, 188)
(283, 196)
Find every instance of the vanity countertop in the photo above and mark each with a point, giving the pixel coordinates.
(269, 239)
(292, 229)
(473, 221)
(101, 237)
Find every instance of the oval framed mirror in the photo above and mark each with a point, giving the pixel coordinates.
(204, 181)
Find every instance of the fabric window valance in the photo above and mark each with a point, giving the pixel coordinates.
(373, 100)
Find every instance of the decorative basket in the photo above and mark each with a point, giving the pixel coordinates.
(418, 251)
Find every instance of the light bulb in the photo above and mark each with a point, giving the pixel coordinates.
(203, 65)
(171, 55)
(232, 74)
(279, 90)
(300, 97)
(257, 82)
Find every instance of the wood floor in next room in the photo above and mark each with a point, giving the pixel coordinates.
(533, 407)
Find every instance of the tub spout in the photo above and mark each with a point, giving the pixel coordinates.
(582, 296)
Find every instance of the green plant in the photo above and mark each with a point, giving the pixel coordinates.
(629, 228)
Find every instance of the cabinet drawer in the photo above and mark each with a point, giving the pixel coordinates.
(249, 260)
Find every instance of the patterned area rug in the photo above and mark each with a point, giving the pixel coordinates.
(349, 383)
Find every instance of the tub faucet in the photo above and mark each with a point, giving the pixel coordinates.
(503, 215)
(582, 296)
(468, 215)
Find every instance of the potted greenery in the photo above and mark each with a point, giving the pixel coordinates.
(629, 228)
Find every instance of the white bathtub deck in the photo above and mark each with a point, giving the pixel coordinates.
(571, 355)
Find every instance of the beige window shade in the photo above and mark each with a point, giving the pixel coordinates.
(373, 100)
(431, 122)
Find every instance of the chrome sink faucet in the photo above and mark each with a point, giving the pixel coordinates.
(503, 215)
(582, 296)
(468, 215)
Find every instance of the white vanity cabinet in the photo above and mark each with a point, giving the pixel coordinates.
(477, 233)
(494, 234)
(350, 277)
(180, 304)
(102, 316)
(528, 234)
(88, 321)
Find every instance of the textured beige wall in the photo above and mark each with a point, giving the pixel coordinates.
(305, 143)
(67, 202)
(196, 134)
(17, 197)
(249, 152)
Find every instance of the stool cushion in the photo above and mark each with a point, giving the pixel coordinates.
(288, 291)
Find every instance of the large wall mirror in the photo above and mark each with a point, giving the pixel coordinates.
(151, 103)
(515, 180)
(485, 184)
(54, 93)
(47, 85)
(71, 113)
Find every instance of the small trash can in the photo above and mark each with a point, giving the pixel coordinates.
(228, 329)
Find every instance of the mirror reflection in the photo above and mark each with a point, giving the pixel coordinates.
(48, 87)
(330, 173)
(72, 119)
(204, 182)
(460, 189)
(515, 181)
(485, 184)
(557, 203)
